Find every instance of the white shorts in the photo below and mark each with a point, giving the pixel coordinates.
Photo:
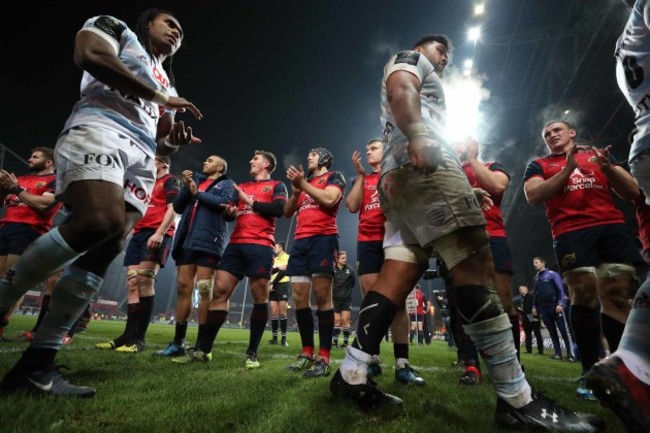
(97, 153)
(431, 212)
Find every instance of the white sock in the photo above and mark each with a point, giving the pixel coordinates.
(70, 297)
(354, 368)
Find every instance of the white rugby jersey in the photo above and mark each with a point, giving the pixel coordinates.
(101, 105)
(432, 97)
(632, 63)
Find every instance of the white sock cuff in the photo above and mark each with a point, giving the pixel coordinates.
(359, 355)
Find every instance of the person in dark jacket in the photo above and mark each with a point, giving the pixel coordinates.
(549, 303)
(530, 322)
(199, 242)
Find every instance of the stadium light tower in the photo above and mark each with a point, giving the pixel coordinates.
(479, 9)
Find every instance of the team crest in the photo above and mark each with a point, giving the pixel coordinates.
(39, 184)
(568, 259)
(322, 181)
(266, 189)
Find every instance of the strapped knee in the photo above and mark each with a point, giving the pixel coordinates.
(609, 270)
(477, 303)
(148, 273)
(298, 279)
(205, 289)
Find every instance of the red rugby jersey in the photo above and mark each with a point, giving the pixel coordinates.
(495, 226)
(19, 212)
(585, 200)
(311, 218)
(371, 217)
(250, 226)
(164, 192)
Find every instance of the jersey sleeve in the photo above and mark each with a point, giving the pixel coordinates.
(109, 28)
(337, 179)
(497, 166)
(533, 169)
(173, 187)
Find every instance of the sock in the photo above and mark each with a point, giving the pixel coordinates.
(354, 368)
(130, 329)
(613, 331)
(401, 363)
(346, 335)
(145, 311)
(200, 336)
(274, 327)
(634, 348)
(335, 335)
(214, 320)
(420, 337)
(180, 332)
(493, 338)
(44, 306)
(586, 331)
(325, 328)
(411, 337)
(305, 327)
(401, 351)
(70, 297)
(516, 334)
(42, 258)
(375, 317)
(259, 317)
(283, 327)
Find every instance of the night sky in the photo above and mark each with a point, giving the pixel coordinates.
(287, 76)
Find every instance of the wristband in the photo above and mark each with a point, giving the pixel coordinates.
(160, 98)
(168, 144)
(416, 129)
(16, 190)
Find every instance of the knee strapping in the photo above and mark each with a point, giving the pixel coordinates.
(582, 270)
(606, 270)
(478, 303)
(142, 272)
(300, 279)
(205, 289)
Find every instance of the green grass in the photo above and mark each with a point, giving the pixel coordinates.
(141, 393)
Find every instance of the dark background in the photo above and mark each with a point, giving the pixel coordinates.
(287, 76)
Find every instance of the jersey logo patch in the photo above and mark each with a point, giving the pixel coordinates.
(110, 26)
(408, 57)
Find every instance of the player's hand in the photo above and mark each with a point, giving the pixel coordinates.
(243, 197)
(426, 155)
(484, 199)
(181, 105)
(571, 162)
(602, 158)
(180, 135)
(154, 242)
(231, 210)
(296, 176)
(358, 166)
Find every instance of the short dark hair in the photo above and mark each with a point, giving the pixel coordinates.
(281, 244)
(540, 258)
(441, 39)
(565, 122)
(273, 161)
(48, 152)
(374, 140)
